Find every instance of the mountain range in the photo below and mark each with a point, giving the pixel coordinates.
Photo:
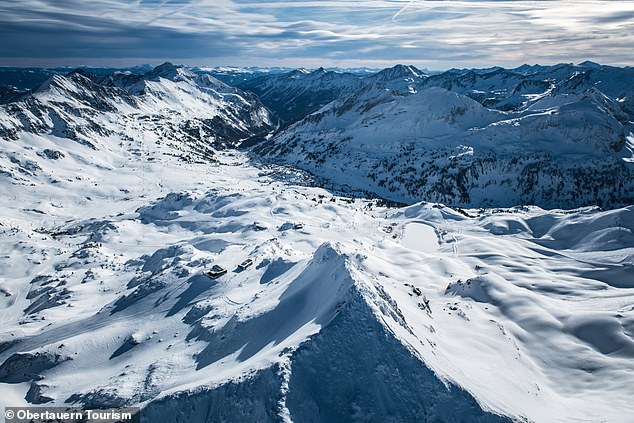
(557, 136)
(239, 245)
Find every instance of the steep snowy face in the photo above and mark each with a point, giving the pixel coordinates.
(70, 107)
(195, 111)
(400, 78)
(564, 150)
(294, 95)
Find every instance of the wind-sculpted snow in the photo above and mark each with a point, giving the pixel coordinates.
(343, 316)
(325, 307)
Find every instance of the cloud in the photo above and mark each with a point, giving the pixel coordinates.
(436, 33)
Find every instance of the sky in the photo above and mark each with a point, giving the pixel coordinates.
(431, 34)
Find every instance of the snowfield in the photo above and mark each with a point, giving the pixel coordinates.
(532, 314)
(351, 311)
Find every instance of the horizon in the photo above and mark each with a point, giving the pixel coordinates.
(439, 34)
(290, 68)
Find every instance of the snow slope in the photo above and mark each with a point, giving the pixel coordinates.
(293, 95)
(565, 150)
(531, 311)
(351, 311)
(170, 102)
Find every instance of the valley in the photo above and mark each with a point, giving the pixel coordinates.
(471, 304)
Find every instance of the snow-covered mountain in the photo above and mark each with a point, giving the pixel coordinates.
(332, 308)
(560, 148)
(24, 79)
(400, 78)
(496, 87)
(514, 89)
(169, 103)
(294, 95)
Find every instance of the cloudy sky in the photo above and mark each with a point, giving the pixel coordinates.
(435, 34)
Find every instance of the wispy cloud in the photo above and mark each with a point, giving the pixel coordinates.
(432, 33)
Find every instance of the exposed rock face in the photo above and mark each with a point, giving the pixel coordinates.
(23, 367)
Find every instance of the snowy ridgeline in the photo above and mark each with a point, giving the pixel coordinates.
(552, 136)
(475, 140)
(331, 309)
(194, 114)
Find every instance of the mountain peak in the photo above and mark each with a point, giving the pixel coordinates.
(169, 71)
(404, 68)
(297, 73)
(590, 64)
(61, 82)
(400, 71)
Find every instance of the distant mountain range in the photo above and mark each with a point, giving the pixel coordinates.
(555, 136)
